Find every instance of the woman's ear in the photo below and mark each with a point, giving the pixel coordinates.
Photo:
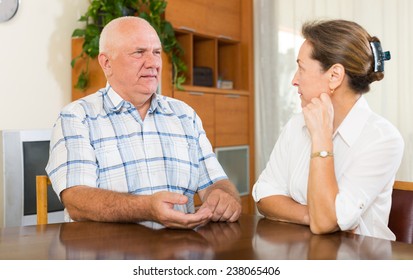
(337, 74)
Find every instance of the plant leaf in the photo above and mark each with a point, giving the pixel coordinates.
(78, 33)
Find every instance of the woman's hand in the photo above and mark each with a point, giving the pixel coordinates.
(319, 116)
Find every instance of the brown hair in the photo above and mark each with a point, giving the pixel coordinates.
(346, 43)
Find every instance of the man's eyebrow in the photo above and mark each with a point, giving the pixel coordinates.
(139, 49)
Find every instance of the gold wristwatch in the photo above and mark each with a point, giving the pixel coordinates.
(322, 154)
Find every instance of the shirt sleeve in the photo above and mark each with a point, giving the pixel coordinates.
(72, 160)
(369, 176)
(273, 180)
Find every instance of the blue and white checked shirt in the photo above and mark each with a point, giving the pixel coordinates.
(101, 141)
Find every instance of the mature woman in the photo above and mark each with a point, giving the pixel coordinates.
(334, 164)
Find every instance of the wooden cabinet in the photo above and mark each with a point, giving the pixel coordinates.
(220, 19)
(204, 106)
(225, 118)
(231, 120)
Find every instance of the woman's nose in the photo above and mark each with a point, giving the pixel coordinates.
(294, 81)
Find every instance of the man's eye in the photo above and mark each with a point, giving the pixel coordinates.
(138, 52)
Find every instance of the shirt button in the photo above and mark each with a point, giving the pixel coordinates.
(361, 206)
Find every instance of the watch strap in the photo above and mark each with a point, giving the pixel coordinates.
(322, 154)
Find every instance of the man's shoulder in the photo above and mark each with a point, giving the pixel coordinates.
(90, 103)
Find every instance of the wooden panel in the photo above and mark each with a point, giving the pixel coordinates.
(247, 47)
(205, 54)
(186, 42)
(224, 19)
(231, 120)
(188, 15)
(403, 185)
(166, 77)
(204, 106)
(229, 62)
(248, 205)
(207, 17)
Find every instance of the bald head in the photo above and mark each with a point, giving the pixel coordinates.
(131, 58)
(120, 29)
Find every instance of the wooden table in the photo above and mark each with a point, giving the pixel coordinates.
(251, 238)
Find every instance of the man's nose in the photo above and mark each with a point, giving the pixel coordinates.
(153, 61)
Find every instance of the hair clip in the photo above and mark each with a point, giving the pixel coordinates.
(379, 56)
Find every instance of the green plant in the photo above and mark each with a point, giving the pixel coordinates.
(100, 12)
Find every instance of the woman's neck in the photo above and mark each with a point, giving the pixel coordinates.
(343, 102)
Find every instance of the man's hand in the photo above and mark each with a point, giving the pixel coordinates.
(223, 201)
(162, 211)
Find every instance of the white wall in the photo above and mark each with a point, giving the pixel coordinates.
(35, 54)
(35, 72)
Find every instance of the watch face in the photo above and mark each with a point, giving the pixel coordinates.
(8, 9)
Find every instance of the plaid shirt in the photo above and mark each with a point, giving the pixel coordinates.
(101, 141)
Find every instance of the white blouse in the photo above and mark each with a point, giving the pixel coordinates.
(367, 154)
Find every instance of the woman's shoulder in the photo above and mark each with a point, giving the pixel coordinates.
(381, 127)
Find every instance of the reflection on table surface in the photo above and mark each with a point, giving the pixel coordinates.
(297, 242)
(252, 237)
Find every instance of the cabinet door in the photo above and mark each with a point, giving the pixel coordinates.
(225, 19)
(216, 18)
(204, 106)
(190, 15)
(231, 120)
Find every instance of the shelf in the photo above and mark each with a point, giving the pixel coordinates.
(221, 56)
(215, 90)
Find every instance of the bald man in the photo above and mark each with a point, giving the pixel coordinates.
(127, 154)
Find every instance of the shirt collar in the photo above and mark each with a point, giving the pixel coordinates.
(115, 102)
(161, 103)
(352, 125)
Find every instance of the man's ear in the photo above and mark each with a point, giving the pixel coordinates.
(337, 74)
(105, 64)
